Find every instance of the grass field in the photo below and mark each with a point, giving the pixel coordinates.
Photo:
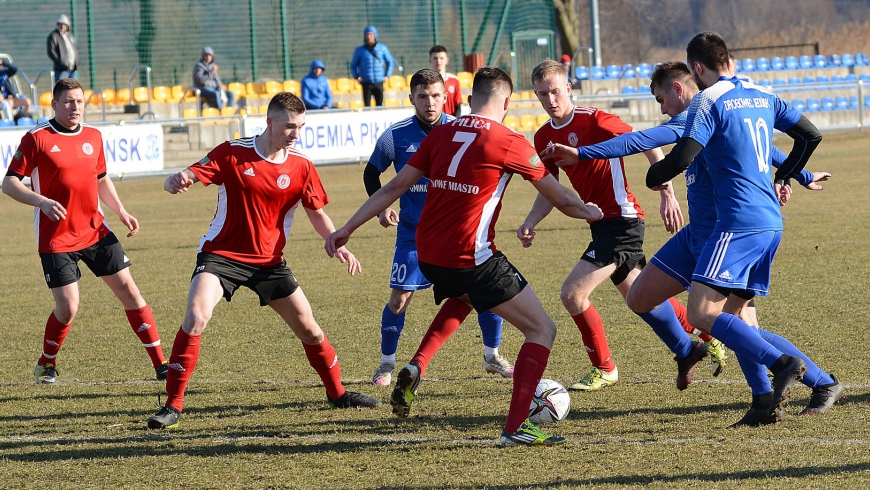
(256, 414)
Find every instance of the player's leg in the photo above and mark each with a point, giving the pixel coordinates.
(392, 324)
(295, 310)
(491, 329)
(61, 274)
(583, 279)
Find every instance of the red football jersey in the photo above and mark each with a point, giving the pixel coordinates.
(598, 181)
(256, 200)
(469, 162)
(64, 167)
(452, 95)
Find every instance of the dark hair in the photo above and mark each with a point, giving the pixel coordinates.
(669, 72)
(437, 49)
(285, 101)
(424, 78)
(709, 49)
(488, 80)
(63, 85)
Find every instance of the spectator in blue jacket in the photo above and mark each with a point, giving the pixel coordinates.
(315, 88)
(372, 64)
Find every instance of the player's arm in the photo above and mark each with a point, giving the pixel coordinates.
(14, 188)
(675, 163)
(623, 145)
(180, 181)
(806, 138)
(552, 194)
(381, 199)
(323, 226)
(669, 209)
(372, 180)
(108, 194)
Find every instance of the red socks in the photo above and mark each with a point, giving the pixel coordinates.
(142, 322)
(530, 366)
(55, 333)
(592, 330)
(448, 319)
(182, 362)
(324, 360)
(680, 310)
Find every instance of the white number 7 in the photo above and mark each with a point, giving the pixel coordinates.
(466, 139)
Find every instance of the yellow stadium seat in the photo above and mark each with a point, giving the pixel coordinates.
(407, 102)
(527, 95)
(140, 94)
(515, 96)
(122, 96)
(408, 81)
(87, 94)
(236, 135)
(237, 88)
(512, 122)
(109, 96)
(255, 89)
(161, 93)
(528, 123)
(228, 111)
(272, 87)
(343, 85)
(397, 82)
(356, 104)
(341, 105)
(263, 109)
(465, 79)
(542, 119)
(189, 113)
(249, 110)
(210, 111)
(45, 99)
(356, 88)
(392, 102)
(292, 86)
(331, 82)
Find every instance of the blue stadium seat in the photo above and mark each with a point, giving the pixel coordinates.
(779, 81)
(42, 120)
(598, 73)
(864, 77)
(827, 104)
(847, 60)
(819, 61)
(793, 80)
(4, 123)
(644, 89)
(748, 64)
(851, 77)
(813, 104)
(645, 70)
(738, 65)
(791, 63)
(805, 62)
(764, 82)
(776, 63)
(799, 105)
(627, 71)
(629, 89)
(842, 103)
(837, 78)
(861, 59)
(867, 101)
(26, 121)
(834, 60)
(612, 71)
(853, 102)
(808, 80)
(581, 73)
(762, 64)
(823, 79)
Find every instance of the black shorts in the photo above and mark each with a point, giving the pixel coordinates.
(487, 285)
(270, 283)
(104, 258)
(617, 241)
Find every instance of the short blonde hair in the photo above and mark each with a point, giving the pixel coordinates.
(547, 70)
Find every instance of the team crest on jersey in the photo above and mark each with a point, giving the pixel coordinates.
(572, 139)
(203, 161)
(535, 161)
(17, 155)
(87, 149)
(283, 181)
(451, 89)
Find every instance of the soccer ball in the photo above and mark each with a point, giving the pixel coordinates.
(551, 402)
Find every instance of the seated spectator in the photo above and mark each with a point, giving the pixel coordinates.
(207, 80)
(11, 100)
(316, 93)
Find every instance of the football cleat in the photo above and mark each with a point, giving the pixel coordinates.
(784, 381)
(596, 379)
(166, 418)
(46, 375)
(686, 365)
(529, 435)
(759, 413)
(498, 365)
(716, 349)
(406, 388)
(824, 397)
(383, 374)
(352, 399)
(162, 371)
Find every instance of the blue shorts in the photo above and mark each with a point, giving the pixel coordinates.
(678, 257)
(738, 260)
(405, 274)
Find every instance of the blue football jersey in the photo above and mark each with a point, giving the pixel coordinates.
(734, 122)
(395, 147)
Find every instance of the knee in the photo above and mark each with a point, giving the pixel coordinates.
(700, 319)
(195, 321)
(311, 335)
(397, 305)
(573, 300)
(65, 313)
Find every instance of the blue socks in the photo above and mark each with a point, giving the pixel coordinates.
(490, 328)
(744, 340)
(391, 329)
(814, 375)
(665, 324)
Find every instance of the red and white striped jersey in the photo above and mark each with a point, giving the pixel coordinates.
(256, 200)
(64, 167)
(599, 181)
(469, 162)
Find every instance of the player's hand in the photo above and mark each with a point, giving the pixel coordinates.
(177, 183)
(388, 218)
(346, 257)
(671, 213)
(818, 177)
(783, 193)
(336, 240)
(130, 222)
(53, 209)
(526, 234)
(595, 212)
(562, 155)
